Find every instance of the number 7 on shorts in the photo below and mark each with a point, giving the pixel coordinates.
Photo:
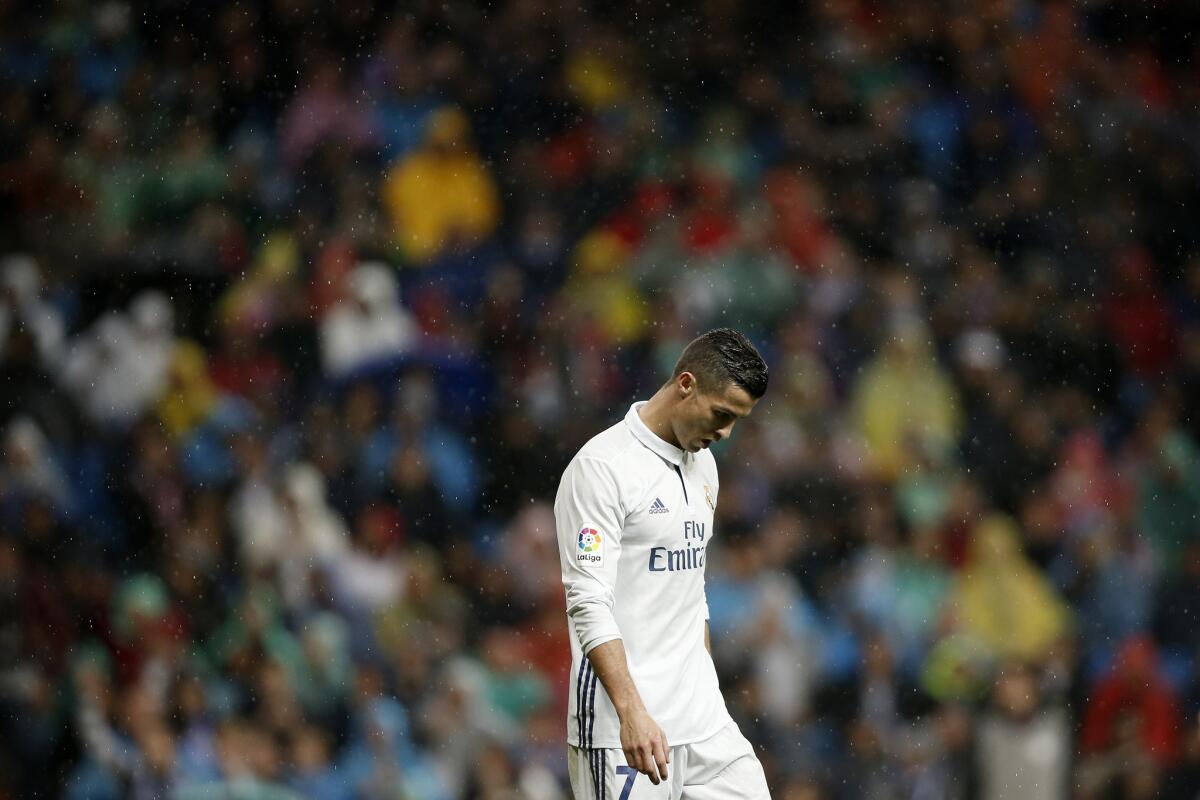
(628, 787)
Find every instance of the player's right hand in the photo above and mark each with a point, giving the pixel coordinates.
(645, 745)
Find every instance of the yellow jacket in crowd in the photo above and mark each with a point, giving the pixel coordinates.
(441, 193)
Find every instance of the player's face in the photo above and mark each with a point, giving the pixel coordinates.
(707, 417)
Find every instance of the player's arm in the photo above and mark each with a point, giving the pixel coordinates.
(642, 740)
(589, 499)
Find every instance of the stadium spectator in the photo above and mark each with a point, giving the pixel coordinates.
(368, 326)
(1023, 747)
(440, 196)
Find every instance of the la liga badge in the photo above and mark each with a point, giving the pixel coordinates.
(589, 548)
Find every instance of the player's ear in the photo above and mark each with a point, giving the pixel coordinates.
(685, 385)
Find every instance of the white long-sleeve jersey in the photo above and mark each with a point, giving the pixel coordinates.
(634, 516)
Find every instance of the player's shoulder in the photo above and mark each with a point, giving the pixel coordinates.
(610, 444)
(613, 446)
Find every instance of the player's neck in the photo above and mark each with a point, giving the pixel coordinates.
(656, 415)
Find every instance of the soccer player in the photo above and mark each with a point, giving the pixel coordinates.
(634, 514)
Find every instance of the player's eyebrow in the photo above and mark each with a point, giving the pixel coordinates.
(727, 412)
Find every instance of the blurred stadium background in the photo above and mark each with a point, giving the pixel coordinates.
(306, 305)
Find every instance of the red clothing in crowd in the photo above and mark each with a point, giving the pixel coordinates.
(1137, 316)
(1135, 688)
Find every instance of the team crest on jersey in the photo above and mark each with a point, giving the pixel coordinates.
(708, 497)
(590, 546)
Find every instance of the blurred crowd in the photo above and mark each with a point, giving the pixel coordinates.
(306, 305)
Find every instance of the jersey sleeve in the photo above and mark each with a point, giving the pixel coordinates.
(588, 516)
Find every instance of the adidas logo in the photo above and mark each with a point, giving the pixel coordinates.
(658, 508)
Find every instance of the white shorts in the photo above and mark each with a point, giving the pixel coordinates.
(722, 767)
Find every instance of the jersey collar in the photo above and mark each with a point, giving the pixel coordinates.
(647, 437)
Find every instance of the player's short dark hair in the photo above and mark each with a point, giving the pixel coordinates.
(722, 356)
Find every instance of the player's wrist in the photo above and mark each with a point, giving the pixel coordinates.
(629, 707)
